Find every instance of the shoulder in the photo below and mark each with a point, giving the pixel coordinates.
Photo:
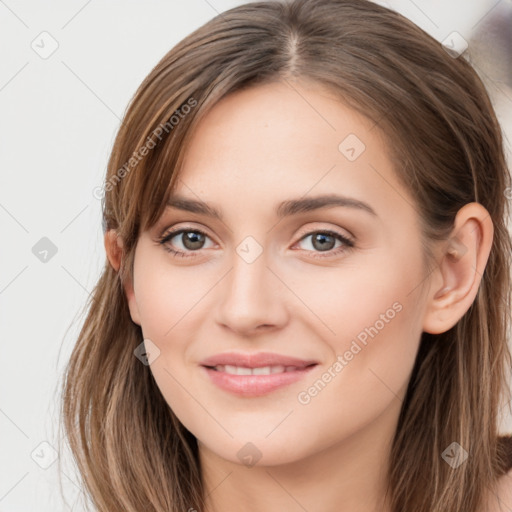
(501, 500)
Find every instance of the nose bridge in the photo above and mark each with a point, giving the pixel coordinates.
(249, 297)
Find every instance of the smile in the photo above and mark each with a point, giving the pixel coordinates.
(257, 381)
(261, 370)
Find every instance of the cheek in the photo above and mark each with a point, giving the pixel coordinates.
(344, 302)
(372, 352)
(368, 316)
(368, 376)
(173, 304)
(167, 296)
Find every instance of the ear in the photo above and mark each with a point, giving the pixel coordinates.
(455, 282)
(114, 249)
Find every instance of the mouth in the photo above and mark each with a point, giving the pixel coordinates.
(258, 370)
(255, 374)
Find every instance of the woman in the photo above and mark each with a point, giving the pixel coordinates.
(305, 302)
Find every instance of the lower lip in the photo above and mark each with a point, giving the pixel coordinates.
(255, 385)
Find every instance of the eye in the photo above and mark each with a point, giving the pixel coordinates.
(192, 240)
(324, 241)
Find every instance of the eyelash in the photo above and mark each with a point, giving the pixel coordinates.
(348, 243)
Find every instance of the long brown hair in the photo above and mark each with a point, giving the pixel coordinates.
(446, 144)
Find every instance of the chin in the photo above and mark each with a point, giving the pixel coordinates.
(257, 452)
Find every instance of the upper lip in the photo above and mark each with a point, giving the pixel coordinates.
(256, 360)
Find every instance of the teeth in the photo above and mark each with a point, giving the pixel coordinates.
(237, 370)
(262, 370)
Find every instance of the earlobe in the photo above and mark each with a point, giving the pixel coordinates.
(114, 249)
(462, 263)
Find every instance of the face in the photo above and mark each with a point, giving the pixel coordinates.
(337, 287)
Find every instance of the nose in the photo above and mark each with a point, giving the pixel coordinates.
(251, 298)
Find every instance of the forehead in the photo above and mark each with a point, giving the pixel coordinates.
(271, 142)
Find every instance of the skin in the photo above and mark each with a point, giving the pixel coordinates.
(256, 148)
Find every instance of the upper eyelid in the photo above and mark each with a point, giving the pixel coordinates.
(337, 231)
(344, 231)
(172, 232)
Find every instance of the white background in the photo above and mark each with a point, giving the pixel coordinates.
(58, 120)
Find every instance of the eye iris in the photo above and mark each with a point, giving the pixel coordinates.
(320, 237)
(190, 239)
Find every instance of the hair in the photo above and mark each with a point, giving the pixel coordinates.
(446, 146)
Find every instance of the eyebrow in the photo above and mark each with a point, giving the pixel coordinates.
(284, 209)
